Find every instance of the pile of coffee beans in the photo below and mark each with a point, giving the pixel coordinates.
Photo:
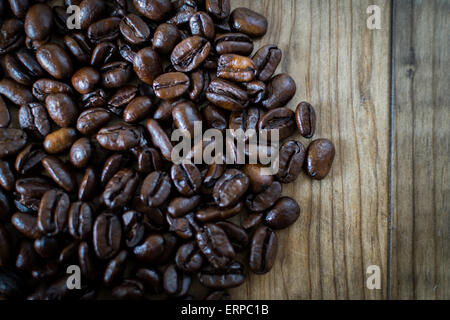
(87, 182)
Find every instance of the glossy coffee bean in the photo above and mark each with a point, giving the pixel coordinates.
(190, 53)
(264, 200)
(138, 109)
(115, 268)
(263, 250)
(214, 213)
(266, 60)
(244, 122)
(79, 47)
(104, 30)
(59, 172)
(215, 118)
(120, 189)
(103, 53)
(34, 119)
(39, 21)
(185, 115)
(147, 65)
(19, 7)
(54, 60)
(86, 261)
(176, 283)
(7, 179)
(29, 158)
(150, 250)
(280, 119)
(189, 258)
(171, 85)
(249, 22)
(319, 158)
(133, 227)
(80, 220)
(237, 235)
(283, 214)
(148, 160)
(107, 235)
(230, 188)
(160, 138)
(11, 141)
(227, 95)
(26, 224)
(280, 90)
(46, 247)
(92, 120)
(180, 206)
(215, 245)
(80, 153)
(62, 109)
(44, 87)
(5, 117)
(87, 185)
(53, 212)
(27, 258)
(218, 9)
(15, 92)
(186, 178)
(155, 189)
(166, 37)
(230, 277)
(112, 165)
(153, 9)
(259, 181)
(85, 80)
(23, 67)
(237, 43)
(91, 11)
(236, 68)
(291, 158)
(118, 138)
(305, 117)
(202, 25)
(134, 29)
(199, 82)
(60, 140)
(115, 74)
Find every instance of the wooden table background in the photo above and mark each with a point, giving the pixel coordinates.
(382, 96)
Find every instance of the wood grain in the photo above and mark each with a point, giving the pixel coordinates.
(421, 191)
(343, 69)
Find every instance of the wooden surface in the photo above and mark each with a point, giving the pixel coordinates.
(385, 202)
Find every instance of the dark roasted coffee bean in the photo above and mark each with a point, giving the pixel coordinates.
(245, 120)
(11, 141)
(26, 224)
(91, 11)
(187, 178)
(280, 91)
(215, 118)
(148, 160)
(7, 179)
(62, 109)
(78, 46)
(103, 53)
(237, 43)
(68, 253)
(87, 185)
(85, 80)
(283, 214)
(104, 30)
(227, 95)
(118, 138)
(46, 247)
(115, 74)
(257, 91)
(59, 172)
(33, 187)
(29, 158)
(171, 85)
(27, 258)
(237, 235)
(81, 220)
(80, 153)
(112, 165)
(134, 228)
(86, 261)
(34, 119)
(185, 115)
(129, 290)
(15, 92)
(291, 159)
(54, 60)
(107, 235)
(12, 35)
(281, 120)
(319, 158)
(214, 213)
(94, 99)
(150, 250)
(266, 60)
(44, 87)
(53, 212)
(19, 7)
(199, 84)
(249, 22)
(230, 188)
(120, 189)
(115, 268)
(215, 245)
(121, 98)
(263, 250)
(180, 206)
(92, 120)
(5, 117)
(160, 138)
(202, 25)
(39, 21)
(166, 37)
(138, 109)
(190, 53)
(60, 140)
(147, 65)
(163, 112)
(236, 68)
(219, 9)
(259, 180)
(230, 277)
(134, 29)
(188, 258)
(155, 189)
(305, 117)
(150, 278)
(176, 283)
(154, 10)
(264, 200)
(23, 67)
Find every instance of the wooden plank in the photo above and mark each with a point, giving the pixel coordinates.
(421, 206)
(343, 69)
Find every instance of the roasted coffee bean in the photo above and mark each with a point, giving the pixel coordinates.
(23, 67)
(166, 37)
(44, 87)
(319, 158)
(120, 189)
(283, 214)
(249, 22)
(214, 213)
(256, 91)
(264, 200)
(190, 53)
(7, 179)
(230, 277)
(107, 235)
(86, 261)
(147, 65)
(33, 187)
(134, 228)
(227, 95)
(238, 237)
(134, 29)
(19, 7)
(5, 117)
(54, 60)
(180, 206)
(154, 10)
(230, 188)
(4, 207)
(62, 109)
(245, 120)
(305, 117)
(92, 120)
(80, 220)
(291, 159)
(219, 9)
(199, 83)
(26, 258)
(160, 138)
(202, 25)
(138, 109)
(186, 178)
(129, 290)
(60, 17)
(188, 258)
(91, 11)
(259, 179)
(115, 74)
(15, 92)
(176, 283)
(87, 185)
(237, 43)
(6, 247)
(118, 138)
(29, 158)
(115, 268)
(163, 112)
(215, 245)
(46, 247)
(236, 68)
(39, 21)
(26, 224)
(53, 212)
(266, 60)
(280, 91)
(185, 115)
(103, 53)
(104, 30)
(80, 153)
(60, 140)
(78, 46)
(94, 99)
(171, 85)
(34, 119)
(281, 119)
(215, 117)
(112, 165)
(68, 253)
(85, 80)
(263, 250)
(150, 278)
(148, 160)
(150, 250)
(59, 172)
(121, 98)
(211, 175)
(12, 35)
(11, 141)
(155, 189)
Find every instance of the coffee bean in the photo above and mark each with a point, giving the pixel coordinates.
(134, 228)
(263, 250)
(23, 67)
(180, 206)
(291, 158)
(118, 138)
(219, 9)
(176, 283)
(188, 258)
(44, 87)
(80, 220)
(236, 68)
(237, 235)
(186, 178)
(60, 140)
(249, 22)
(237, 43)
(305, 117)
(153, 9)
(166, 37)
(120, 189)
(160, 139)
(215, 245)
(15, 92)
(78, 46)
(54, 60)
(26, 224)
(230, 188)
(104, 30)
(115, 74)
(134, 29)
(155, 189)
(38, 21)
(215, 117)
(29, 158)
(281, 120)
(11, 141)
(266, 60)
(283, 214)
(59, 172)
(7, 179)
(190, 53)
(62, 109)
(53, 212)
(103, 53)
(202, 25)
(85, 80)
(319, 158)
(227, 95)
(107, 235)
(90, 11)
(92, 120)
(5, 117)
(80, 153)
(115, 269)
(34, 119)
(185, 115)
(264, 200)
(231, 277)
(281, 90)
(171, 85)
(147, 65)
(150, 250)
